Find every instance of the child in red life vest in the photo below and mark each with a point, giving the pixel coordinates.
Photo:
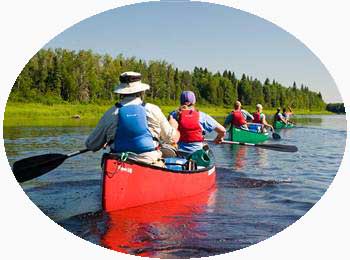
(193, 125)
(260, 118)
(238, 117)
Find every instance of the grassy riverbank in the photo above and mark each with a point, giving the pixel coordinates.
(31, 114)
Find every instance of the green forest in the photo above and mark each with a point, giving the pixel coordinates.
(67, 76)
(336, 108)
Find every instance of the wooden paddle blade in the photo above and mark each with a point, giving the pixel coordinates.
(32, 167)
(279, 147)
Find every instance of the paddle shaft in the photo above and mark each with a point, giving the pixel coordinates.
(77, 152)
(274, 147)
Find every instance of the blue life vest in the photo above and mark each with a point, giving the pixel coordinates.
(132, 133)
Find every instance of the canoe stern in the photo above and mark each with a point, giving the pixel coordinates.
(130, 184)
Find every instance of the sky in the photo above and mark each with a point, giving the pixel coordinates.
(198, 34)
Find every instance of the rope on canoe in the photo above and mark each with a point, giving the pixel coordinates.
(124, 156)
(119, 164)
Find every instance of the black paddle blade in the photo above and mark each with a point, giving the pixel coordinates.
(279, 147)
(32, 167)
(276, 136)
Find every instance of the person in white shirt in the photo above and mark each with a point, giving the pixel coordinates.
(132, 125)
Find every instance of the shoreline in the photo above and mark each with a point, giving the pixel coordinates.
(36, 114)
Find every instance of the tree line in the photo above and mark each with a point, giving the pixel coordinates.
(336, 108)
(61, 75)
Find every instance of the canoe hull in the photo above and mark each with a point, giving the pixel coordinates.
(246, 136)
(281, 125)
(131, 184)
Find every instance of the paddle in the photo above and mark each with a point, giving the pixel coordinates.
(275, 135)
(32, 167)
(274, 147)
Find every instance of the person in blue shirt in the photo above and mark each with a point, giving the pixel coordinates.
(193, 125)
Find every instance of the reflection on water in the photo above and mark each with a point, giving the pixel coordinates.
(259, 192)
(262, 158)
(240, 154)
(138, 230)
(240, 159)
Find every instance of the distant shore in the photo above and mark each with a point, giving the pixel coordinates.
(35, 114)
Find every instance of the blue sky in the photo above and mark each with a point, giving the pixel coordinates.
(204, 35)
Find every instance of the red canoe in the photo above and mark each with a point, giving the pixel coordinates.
(131, 183)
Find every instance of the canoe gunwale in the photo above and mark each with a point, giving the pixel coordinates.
(115, 156)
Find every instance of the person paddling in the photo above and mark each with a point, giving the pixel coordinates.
(287, 114)
(279, 117)
(260, 118)
(238, 117)
(132, 125)
(193, 125)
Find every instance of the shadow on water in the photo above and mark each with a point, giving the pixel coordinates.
(248, 183)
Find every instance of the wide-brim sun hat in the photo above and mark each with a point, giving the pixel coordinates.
(130, 83)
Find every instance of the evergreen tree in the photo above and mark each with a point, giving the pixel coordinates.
(64, 75)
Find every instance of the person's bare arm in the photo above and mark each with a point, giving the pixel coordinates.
(265, 123)
(221, 131)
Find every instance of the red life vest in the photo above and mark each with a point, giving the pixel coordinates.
(257, 118)
(189, 126)
(237, 118)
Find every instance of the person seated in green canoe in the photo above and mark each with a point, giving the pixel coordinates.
(287, 114)
(238, 117)
(260, 118)
(279, 117)
(193, 125)
(132, 125)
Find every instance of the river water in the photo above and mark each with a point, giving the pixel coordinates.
(258, 192)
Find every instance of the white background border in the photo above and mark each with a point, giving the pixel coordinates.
(27, 25)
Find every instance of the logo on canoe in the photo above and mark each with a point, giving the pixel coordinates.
(125, 169)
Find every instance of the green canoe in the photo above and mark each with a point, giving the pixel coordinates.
(280, 125)
(246, 136)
